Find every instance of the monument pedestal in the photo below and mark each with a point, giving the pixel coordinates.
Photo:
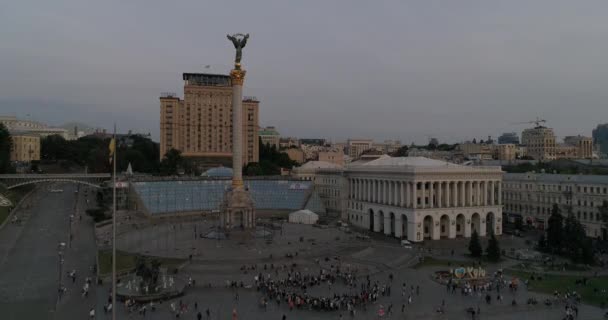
(237, 212)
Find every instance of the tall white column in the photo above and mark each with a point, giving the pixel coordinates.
(423, 187)
(401, 193)
(432, 194)
(237, 77)
(478, 196)
(470, 204)
(386, 191)
(462, 194)
(447, 194)
(499, 195)
(485, 193)
(408, 194)
(439, 194)
(414, 194)
(492, 193)
(373, 191)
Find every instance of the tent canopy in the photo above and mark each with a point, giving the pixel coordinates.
(303, 216)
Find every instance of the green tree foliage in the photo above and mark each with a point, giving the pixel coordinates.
(93, 152)
(271, 162)
(576, 245)
(143, 155)
(493, 249)
(603, 209)
(6, 143)
(401, 152)
(555, 229)
(171, 163)
(474, 245)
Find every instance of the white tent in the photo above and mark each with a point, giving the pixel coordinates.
(304, 217)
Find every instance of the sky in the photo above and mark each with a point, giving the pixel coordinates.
(407, 70)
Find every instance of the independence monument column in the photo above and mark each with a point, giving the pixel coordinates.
(237, 207)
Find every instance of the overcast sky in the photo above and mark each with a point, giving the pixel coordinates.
(404, 70)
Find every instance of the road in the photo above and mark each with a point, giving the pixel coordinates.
(29, 257)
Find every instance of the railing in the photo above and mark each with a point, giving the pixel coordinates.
(55, 176)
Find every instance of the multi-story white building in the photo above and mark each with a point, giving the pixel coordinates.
(531, 196)
(419, 198)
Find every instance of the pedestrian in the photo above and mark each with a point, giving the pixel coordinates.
(403, 308)
(284, 317)
(199, 316)
(196, 306)
(92, 313)
(208, 313)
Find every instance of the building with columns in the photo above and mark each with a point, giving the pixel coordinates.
(417, 198)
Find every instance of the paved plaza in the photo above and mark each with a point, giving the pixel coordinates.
(29, 269)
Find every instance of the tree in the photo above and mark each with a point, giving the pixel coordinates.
(401, 152)
(271, 161)
(603, 209)
(171, 162)
(6, 143)
(474, 245)
(576, 245)
(493, 249)
(555, 229)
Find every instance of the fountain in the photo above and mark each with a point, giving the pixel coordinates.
(149, 282)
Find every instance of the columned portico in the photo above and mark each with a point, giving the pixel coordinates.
(420, 202)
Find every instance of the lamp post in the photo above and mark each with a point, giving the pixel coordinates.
(60, 248)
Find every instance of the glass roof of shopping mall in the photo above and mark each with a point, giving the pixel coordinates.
(206, 195)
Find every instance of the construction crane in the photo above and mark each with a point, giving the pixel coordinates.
(537, 122)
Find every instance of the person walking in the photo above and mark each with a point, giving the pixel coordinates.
(199, 316)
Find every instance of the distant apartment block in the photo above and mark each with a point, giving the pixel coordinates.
(25, 147)
(356, 147)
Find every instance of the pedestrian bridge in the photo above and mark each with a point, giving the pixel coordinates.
(17, 180)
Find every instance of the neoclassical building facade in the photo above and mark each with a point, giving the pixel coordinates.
(417, 198)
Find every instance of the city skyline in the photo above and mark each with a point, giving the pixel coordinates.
(454, 72)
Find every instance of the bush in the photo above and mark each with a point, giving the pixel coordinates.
(97, 214)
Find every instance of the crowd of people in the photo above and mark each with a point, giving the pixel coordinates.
(294, 290)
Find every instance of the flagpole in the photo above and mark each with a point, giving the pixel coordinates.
(114, 227)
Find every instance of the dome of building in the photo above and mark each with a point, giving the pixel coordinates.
(219, 172)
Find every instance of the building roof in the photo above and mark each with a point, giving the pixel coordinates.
(408, 162)
(160, 197)
(207, 79)
(550, 177)
(320, 165)
(387, 164)
(268, 133)
(218, 172)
